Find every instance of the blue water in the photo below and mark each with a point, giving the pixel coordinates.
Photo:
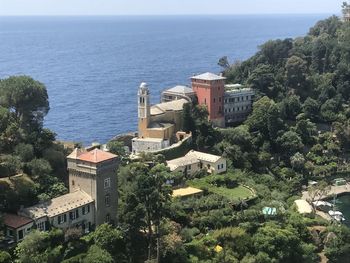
(92, 66)
(343, 205)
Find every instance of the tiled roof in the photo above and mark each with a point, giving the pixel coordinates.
(59, 205)
(180, 89)
(182, 161)
(208, 76)
(203, 156)
(95, 156)
(175, 105)
(76, 153)
(186, 191)
(16, 221)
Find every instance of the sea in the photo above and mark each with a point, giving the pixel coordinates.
(93, 66)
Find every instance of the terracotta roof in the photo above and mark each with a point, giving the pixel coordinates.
(76, 153)
(208, 76)
(16, 221)
(95, 156)
(59, 205)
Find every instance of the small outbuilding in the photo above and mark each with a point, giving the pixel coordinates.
(17, 227)
(303, 206)
(187, 192)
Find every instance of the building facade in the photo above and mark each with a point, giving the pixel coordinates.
(237, 103)
(210, 90)
(92, 199)
(95, 173)
(195, 161)
(75, 209)
(17, 227)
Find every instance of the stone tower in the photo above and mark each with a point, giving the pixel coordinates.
(95, 172)
(144, 109)
(210, 91)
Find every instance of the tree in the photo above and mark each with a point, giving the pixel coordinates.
(311, 108)
(329, 110)
(5, 257)
(97, 254)
(291, 107)
(25, 152)
(117, 148)
(317, 191)
(154, 194)
(109, 239)
(258, 119)
(223, 62)
(233, 238)
(297, 161)
(296, 72)
(290, 142)
(26, 98)
(263, 79)
(281, 244)
(36, 248)
(188, 124)
(306, 130)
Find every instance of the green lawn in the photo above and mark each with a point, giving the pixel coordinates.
(239, 192)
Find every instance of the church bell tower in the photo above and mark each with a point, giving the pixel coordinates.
(144, 109)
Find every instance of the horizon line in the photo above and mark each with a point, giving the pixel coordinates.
(204, 14)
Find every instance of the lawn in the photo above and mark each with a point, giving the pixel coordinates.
(209, 183)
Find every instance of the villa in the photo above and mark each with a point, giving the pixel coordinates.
(195, 161)
(91, 201)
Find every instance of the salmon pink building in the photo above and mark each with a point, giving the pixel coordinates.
(210, 91)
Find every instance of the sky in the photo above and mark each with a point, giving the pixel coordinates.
(167, 7)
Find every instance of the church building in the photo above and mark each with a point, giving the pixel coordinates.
(158, 124)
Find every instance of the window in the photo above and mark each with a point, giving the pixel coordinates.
(74, 214)
(222, 166)
(107, 200)
(73, 183)
(62, 219)
(218, 166)
(107, 183)
(214, 99)
(189, 167)
(108, 218)
(41, 226)
(205, 101)
(20, 234)
(10, 232)
(86, 209)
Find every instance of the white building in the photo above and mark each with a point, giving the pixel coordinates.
(194, 161)
(71, 210)
(237, 103)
